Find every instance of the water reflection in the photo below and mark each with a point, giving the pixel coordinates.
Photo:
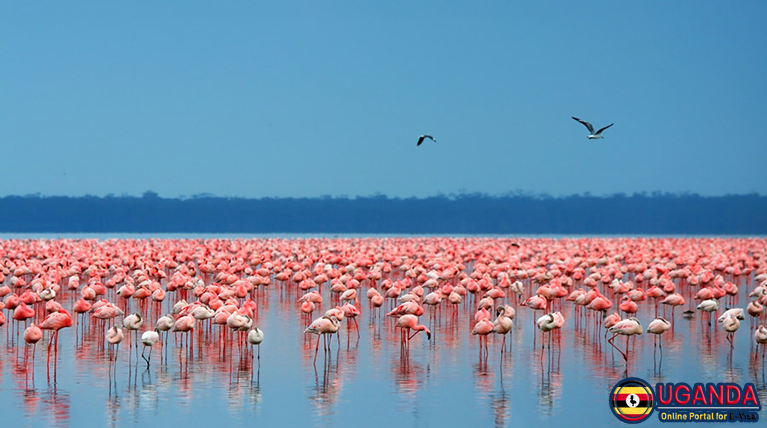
(326, 389)
(212, 367)
(51, 406)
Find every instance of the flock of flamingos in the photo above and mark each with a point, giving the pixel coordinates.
(146, 292)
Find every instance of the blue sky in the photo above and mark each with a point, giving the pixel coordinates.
(318, 98)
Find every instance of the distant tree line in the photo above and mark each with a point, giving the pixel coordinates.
(657, 213)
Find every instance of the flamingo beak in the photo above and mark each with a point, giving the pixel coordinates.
(428, 335)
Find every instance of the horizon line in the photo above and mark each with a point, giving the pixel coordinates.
(453, 195)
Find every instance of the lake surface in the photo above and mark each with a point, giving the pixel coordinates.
(444, 381)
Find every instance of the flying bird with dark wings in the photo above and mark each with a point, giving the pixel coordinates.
(422, 137)
(593, 135)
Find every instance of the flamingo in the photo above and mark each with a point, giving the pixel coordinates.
(547, 323)
(481, 314)
(628, 306)
(350, 313)
(133, 323)
(627, 327)
(410, 322)
(755, 308)
(656, 293)
(184, 324)
(114, 338)
(673, 300)
(710, 306)
(760, 336)
(326, 324)
(610, 321)
(731, 325)
(164, 324)
(349, 295)
(56, 321)
(737, 313)
(255, 337)
(178, 307)
(238, 322)
(482, 329)
(23, 312)
(503, 323)
(149, 339)
(658, 326)
(32, 335)
(536, 303)
(518, 288)
(411, 308)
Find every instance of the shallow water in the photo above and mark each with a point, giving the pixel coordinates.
(444, 381)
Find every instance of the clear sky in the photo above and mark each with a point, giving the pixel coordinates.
(319, 98)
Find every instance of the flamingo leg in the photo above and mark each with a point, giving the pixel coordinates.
(610, 340)
(316, 349)
(627, 350)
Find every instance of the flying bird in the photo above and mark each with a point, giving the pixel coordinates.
(593, 135)
(422, 137)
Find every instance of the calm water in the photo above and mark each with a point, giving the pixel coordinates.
(442, 382)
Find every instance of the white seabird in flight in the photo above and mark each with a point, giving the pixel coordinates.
(593, 135)
(421, 138)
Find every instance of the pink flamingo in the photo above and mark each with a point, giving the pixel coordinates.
(673, 300)
(114, 337)
(185, 324)
(133, 323)
(23, 312)
(627, 327)
(323, 326)
(482, 329)
(536, 303)
(503, 323)
(658, 326)
(410, 322)
(656, 293)
(32, 335)
(628, 306)
(56, 321)
(350, 313)
(409, 308)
